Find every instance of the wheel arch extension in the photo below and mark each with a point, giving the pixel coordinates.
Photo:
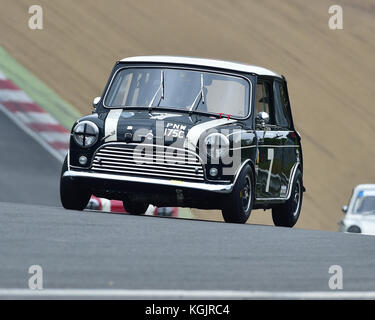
(297, 166)
(300, 167)
(252, 166)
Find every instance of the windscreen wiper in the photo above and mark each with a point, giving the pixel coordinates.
(199, 97)
(161, 87)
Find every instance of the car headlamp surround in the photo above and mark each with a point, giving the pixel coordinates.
(216, 145)
(85, 134)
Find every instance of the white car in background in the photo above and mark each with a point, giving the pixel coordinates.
(360, 212)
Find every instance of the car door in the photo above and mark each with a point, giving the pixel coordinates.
(287, 137)
(269, 155)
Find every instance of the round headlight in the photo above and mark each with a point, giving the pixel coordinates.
(217, 145)
(85, 134)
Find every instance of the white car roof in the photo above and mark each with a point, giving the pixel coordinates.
(204, 62)
(365, 187)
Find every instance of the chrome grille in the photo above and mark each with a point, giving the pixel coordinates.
(148, 161)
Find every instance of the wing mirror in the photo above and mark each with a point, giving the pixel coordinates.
(95, 101)
(262, 118)
(344, 209)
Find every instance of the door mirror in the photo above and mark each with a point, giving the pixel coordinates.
(96, 101)
(344, 209)
(262, 118)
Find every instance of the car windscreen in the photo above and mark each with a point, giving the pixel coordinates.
(179, 89)
(364, 204)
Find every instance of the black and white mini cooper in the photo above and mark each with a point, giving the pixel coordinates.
(188, 132)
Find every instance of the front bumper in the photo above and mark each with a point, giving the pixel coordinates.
(208, 187)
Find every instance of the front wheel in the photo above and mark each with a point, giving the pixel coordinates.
(287, 214)
(237, 206)
(73, 196)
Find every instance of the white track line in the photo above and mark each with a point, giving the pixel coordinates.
(185, 294)
(36, 117)
(14, 96)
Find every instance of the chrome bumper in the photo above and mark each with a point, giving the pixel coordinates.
(219, 188)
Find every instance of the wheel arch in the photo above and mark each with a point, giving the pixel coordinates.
(252, 166)
(291, 180)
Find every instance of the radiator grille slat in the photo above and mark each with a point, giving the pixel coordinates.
(159, 162)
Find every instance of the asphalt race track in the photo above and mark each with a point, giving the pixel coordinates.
(96, 250)
(29, 174)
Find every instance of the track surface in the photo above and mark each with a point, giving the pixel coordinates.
(107, 251)
(29, 174)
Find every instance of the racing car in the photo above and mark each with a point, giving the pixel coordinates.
(360, 212)
(188, 132)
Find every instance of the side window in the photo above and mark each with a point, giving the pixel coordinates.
(263, 97)
(282, 117)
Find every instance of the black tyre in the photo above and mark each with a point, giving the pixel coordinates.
(287, 214)
(73, 196)
(135, 207)
(354, 229)
(239, 203)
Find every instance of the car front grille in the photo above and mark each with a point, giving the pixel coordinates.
(151, 161)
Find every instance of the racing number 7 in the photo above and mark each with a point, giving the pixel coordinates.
(270, 156)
